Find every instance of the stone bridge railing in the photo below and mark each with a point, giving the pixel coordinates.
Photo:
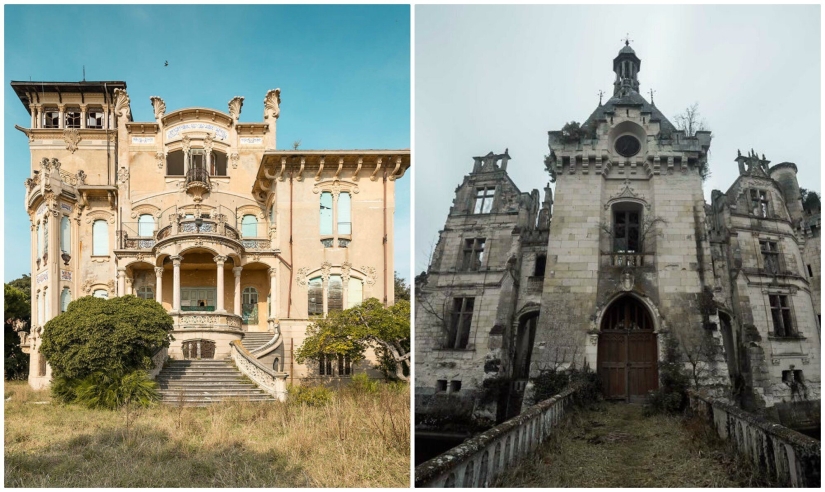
(477, 461)
(788, 457)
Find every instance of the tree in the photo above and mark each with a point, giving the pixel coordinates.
(402, 290)
(16, 316)
(690, 121)
(111, 336)
(351, 331)
(810, 200)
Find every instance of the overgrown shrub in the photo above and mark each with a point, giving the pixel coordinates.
(112, 391)
(114, 336)
(671, 396)
(551, 382)
(313, 396)
(361, 383)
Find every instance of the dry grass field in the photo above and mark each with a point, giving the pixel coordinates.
(357, 440)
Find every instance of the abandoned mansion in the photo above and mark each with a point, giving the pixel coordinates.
(625, 256)
(241, 243)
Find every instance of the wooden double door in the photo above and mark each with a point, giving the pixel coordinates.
(628, 352)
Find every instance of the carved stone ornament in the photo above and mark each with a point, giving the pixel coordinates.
(122, 175)
(207, 143)
(81, 177)
(627, 281)
(186, 143)
(158, 106)
(272, 104)
(234, 157)
(72, 138)
(775, 362)
(122, 108)
(370, 272)
(325, 268)
(345, 271)
(87, 285)
(626, 193)
(594, 339)
(158, 272)
(161, 158)
(301, 276)
(235, 106)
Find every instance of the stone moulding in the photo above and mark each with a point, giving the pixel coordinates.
(201, 321)
(270, 381)
(477, 461)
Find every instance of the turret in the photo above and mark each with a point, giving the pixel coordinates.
(785, 175)
(626, 66)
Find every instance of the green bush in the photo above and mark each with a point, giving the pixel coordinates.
(551, 382)
(671, 396)
(114, 336)
(112, 391)
(361, 383)
(313, 396)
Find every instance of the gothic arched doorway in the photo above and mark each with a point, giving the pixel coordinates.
(628, 355)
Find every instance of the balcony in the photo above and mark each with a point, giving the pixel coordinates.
(206, 321)
(197, 183)
(627, 260)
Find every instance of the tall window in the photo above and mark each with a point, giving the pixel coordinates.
(325, 365)
(473, 254)
(65, 299)
(355, 292)
(484, 200)
(72, 118)
(759, 203)
(249, 226)
(146, 292)
(344, 365)
(45, 239)
(65, 235)
(462, 316)
(100, 238)
(541, 265)
(626, 230)
(781, 315)
(174, 163)
(326, 213)
(146, 225)
(315, 296)
(39, 240)
(770, 255)
(217, 164)
(344, 214)
(250, 305)
(51, 118)
(101, 293)
(335, 298)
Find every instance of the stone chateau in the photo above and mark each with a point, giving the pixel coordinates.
(197, 210)
(626, 254)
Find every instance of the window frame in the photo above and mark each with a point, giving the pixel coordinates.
(55, 118)
(141, 291)
(769, 250)
(65, 235)
(759, 203)
(482, 201)
(461, 322)
(75, 114)
(782, 316)
(96, 249)
(625, 211)
(244, 225)
(91, 116)
(314, 286)
(473, 254)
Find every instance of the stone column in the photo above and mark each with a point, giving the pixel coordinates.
(325, 283)
(273, 292)
(176, 283)
(159, 284)
(62, 111)
(33, 109)
(237, 272)
(121, 281)
(220, 260)
(83, 108)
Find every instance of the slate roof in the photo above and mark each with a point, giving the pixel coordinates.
(632, 98)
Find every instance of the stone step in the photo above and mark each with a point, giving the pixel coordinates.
(212, 393)
(205, 381)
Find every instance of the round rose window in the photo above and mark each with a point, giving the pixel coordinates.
(627, 146)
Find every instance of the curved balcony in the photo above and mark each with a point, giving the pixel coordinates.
(206, 321)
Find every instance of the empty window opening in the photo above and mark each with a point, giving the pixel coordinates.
(759, 203)
(94, 118)
(810, 271)
(51, 118)
(459, 333)
(174, 163)
(770, 255)
(344, 365)
(473, 254)
(72, 118)
(455, 386)
(627, 228)
(325, 365)
(781, 316)
(218, 164)
(541, 265)
(484, 200)
(441, 386)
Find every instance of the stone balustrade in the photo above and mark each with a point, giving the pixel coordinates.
(788, 457)
(268, 380)
(627, 259)
(206, 320)
(158, 359)
(477, 461)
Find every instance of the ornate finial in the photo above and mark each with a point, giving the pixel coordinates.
(627, 39)
(601, 93)
(738, 153)
(651, 96)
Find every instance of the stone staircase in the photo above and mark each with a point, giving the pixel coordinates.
(201, 382)
(252, 341)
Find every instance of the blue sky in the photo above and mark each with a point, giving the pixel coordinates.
(344, 74)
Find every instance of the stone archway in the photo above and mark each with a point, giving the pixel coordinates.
(627, 359)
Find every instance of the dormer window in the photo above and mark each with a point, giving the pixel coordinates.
(759, 203)
(72, 118)
(484, 200)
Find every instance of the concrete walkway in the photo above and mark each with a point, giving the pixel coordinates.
(617, 446)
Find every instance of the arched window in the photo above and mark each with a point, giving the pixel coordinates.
(344, 214)
(249, 226)
(316, 296)
(326, 213)
(355, 292)
(250, 306)
(146, 292)
(335, 300)
(100, 238)
(39, 240)
(45, 239)
(101, 293)
(174, 163)
(146, 225)
(65, 299)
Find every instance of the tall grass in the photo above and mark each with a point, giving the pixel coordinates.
(357, 439)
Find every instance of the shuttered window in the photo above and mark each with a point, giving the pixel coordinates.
(100, 233)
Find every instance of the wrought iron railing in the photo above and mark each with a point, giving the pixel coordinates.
(197, 174)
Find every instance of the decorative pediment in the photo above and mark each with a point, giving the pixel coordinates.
(146, 208)
(335, 186)
(627, 194)
(94, 215)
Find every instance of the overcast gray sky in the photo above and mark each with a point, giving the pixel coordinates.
(494, 77)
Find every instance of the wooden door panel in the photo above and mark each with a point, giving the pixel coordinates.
(627, 364)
